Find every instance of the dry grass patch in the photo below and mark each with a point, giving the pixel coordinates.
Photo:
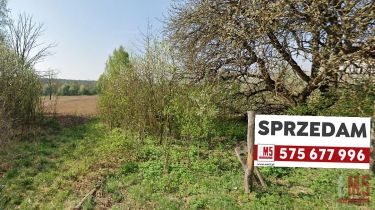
(72, 105)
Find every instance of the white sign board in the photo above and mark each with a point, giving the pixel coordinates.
(311, 141)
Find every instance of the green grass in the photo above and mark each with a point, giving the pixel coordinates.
(200, 178)
(55, 172)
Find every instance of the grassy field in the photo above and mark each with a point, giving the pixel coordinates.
(56, 171)
(72, 105)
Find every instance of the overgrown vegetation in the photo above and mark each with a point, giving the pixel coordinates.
(237, 56)
(20, 103)
(176, 111)
(355, 102)
(57, 171)
(146, 94)
(280, 52)
(20, 49)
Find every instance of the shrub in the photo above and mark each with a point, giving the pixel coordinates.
(146, 94)
(357, 101)
(20, 88)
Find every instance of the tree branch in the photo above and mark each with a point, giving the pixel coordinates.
(287, 57)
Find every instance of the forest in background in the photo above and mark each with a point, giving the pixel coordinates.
(65, 87)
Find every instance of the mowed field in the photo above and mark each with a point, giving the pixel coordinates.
(72, 105)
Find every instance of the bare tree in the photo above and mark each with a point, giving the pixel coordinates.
(286, 48)
(50, 75)
(23, 38)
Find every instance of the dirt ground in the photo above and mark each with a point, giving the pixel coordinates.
(72, 105)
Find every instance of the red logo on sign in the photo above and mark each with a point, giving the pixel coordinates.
(266, 152)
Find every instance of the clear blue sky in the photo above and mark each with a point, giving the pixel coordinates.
(87, 31)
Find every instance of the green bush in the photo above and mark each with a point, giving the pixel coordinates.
(193, 111)
(358, 101)
(146, 95)
(20, 87)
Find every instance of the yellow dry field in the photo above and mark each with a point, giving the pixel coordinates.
(72, 105)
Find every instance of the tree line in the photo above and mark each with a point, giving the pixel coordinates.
(68, 87)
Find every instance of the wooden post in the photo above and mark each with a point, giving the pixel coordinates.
(250, 151)
(246, 156)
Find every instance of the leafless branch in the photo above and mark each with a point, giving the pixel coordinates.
(24, 38)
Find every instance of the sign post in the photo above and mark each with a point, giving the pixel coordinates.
(250, 151)
(248, 164)
(303, 141)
